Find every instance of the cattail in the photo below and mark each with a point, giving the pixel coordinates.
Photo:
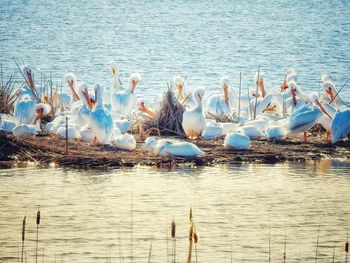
(24, 228)
(195, 237)
(347, 247)
(38, 216)
(173, 229)
(190, 237)
(23, 234)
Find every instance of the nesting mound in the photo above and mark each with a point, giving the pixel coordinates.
(168, 121)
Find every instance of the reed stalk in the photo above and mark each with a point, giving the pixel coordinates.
(173, 238)
(195, 240)
(190, 238)
(285, 248)
(250, 105)
(150, 253)
(167, 244)
(256, 93)
(23, 235)
(346, 248)
(239, 95)
(66, 135)
(38, 218)
(317, 244)
(132, 228)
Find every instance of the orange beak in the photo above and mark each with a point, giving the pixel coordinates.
(134, 83)
(144, 109)
(329, 91)
(88, 100)
(284, 86)
(75, 95)
(30, 80)
(322, 108)
(226, 94)
(262, 87)
(40, 114)
(179, 89)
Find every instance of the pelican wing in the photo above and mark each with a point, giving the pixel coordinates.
(341, 124)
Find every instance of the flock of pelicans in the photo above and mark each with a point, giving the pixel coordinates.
(105, 116)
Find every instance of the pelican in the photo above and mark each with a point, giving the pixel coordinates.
(302, 120)
(84, 110)
(24, 112)
(22, 130)
(341, 124)
(297, 100)
(213, 130)
(329, 88)
(327, 116)
(237, 141)
(193, 121)
(220, 105)
(275, 133)
(125, 142)
(124, 101)
(101, 120)
(117, 84)
(71, 80)
(171, 147)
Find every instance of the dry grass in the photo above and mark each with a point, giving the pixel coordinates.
(8, 96)
(169, 118)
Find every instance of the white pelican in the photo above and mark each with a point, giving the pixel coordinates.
(213, 130)
(8, 123)
(302, 120)
(251, 131)
(237, 141)
(117, 84)
(220, 105)
(125, 142)
(22, 130)
(24, 112)
(341, 124)
(327, 116)
(101, 120)
(193, 121)
(275, 133)
(297, 100)
(84, 111)
(337, 101)
(171, 147)
(71, 80)
(124, 101)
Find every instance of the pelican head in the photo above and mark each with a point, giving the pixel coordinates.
(329, 88)
(224, 86)
(134, 80)
(291, 77)
(114, 68)
(292, 85)
(259, 77)
(291, 71)
(142, 107)
(179, 82)
(83, 94)
(98, 94)
(71, 80)
(325, 78)
(42, 110)
(198, 94)
(316, 100)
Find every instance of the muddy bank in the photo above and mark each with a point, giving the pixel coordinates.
(48, 149)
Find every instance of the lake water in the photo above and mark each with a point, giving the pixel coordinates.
(86, 214)
(198, 39)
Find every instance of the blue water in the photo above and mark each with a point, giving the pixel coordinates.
(198, 39)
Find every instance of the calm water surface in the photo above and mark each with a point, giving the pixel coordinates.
(86, 213)
(199, 39)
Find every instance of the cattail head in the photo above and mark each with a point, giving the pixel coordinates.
(191, 217)
(38, 216)
(173, 229)
(347, 247)
(24, 227)
(190, 236)
(195, 237)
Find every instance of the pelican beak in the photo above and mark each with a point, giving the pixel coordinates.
(113, 71)
(200, 97)
(226, 94)
(329, 91)
(262, 87)
(40, 114)
(318, 103)
(88, 100)
(134, 84)
(180, 91)
(96, 99)
(294, 96)
(46, 99)
(144, 109)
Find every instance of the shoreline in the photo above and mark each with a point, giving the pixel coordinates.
(47, 149)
